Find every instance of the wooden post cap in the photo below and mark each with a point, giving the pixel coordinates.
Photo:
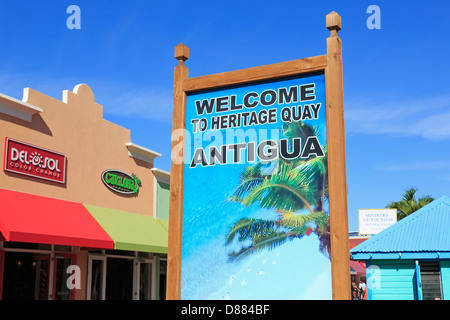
(181, 52)
(333, 21)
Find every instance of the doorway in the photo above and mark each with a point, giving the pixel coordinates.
(62, 289)
(129, 276)
(119, 279)
(143, 284)
(96, 282)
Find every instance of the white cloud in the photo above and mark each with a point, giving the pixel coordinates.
(426, 117)
(144, 103)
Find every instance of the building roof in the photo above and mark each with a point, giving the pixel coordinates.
(18, 109)
(354, 241)
(161, 175)
(141, 153)
(421, 235)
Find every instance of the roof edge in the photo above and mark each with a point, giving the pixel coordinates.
(361, 248)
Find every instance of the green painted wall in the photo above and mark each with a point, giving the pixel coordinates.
(392, 280)
(162, 200)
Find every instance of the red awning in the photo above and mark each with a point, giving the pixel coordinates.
(30, 218)
(357, 267)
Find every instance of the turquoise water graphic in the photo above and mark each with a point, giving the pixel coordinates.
(294, 270)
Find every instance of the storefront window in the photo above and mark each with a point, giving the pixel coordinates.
(96, 282)
(26, 276)
(121, 253)
(162, 279)
(63, 248)
(430, 274)
(2, 260)
(145, 276)
(26, 245)
(62, 291)
(32, 273)
(144, 255)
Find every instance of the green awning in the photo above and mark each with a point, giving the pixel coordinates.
(131, 231)
(164, 223)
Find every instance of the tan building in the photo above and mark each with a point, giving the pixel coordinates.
(79, 218)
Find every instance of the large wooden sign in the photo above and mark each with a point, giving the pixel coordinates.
(258, 201)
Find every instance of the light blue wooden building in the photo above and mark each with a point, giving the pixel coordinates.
(410, 260)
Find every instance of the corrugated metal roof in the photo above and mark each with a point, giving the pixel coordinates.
(426, 230)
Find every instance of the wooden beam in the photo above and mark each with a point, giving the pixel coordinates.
(337, 180)
(173, 289)
(267, 72)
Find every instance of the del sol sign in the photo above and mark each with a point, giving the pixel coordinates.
(121, 182)
(29, 160)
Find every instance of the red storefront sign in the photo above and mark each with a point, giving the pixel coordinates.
(26, 159)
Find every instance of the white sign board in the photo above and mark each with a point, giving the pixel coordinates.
(373, 221)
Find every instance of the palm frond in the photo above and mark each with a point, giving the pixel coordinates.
(410, 194)
(270, 241)
(290, 219)
(325, 244)
(292, 185)
(247, 228)
(298, 129)
(250, 178)
(409, 203)
(286, 190)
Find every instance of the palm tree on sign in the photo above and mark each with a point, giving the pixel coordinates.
(297, 189)
(409, 203)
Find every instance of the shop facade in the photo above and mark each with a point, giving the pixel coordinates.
(410, 260)
(79, 217)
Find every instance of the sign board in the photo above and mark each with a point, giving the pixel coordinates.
(373, 221)
(29, 160)
(258, 185)
(255, 192)
(121, 182)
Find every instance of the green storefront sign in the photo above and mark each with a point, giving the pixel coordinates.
(121, 182)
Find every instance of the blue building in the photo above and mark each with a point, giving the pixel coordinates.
(410, 260)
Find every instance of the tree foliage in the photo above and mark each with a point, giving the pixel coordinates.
(296, 189)
(409, 203)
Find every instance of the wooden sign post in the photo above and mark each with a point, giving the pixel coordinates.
(329, 64)
(337, 179)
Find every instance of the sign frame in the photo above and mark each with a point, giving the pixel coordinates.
(331, 65)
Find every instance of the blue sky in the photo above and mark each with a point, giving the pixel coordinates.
(396, 86)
